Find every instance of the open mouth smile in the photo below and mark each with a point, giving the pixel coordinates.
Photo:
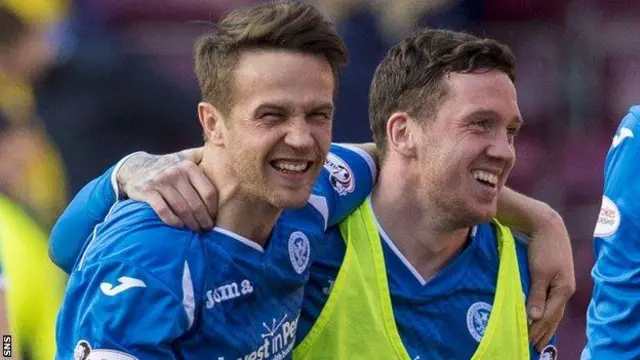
(291, 166)
(485, 178)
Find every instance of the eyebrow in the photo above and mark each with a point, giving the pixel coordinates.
(324, 106)
(319, 107)
(518, 119)
(271, 106)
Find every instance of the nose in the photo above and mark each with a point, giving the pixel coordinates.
(502, 147)
(298, 134)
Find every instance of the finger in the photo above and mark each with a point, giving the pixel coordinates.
(194, 201)
(544, 341)
(537, 295)
(160, 206)
(205, 189)
(179, 206)
(554, 311)
(537, 330)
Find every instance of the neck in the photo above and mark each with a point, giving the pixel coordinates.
(238, 210)
(413, 222)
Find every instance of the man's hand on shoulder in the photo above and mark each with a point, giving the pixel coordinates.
(173, 185)
(550, 261)
(552, 278)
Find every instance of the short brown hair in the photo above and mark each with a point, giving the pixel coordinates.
(284, 25)
(410, 77)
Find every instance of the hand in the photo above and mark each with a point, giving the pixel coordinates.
(175, 187)
(552, 278)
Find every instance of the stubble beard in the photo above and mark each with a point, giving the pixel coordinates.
(454, 208)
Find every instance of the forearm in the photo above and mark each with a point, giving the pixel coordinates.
(87, 209)
(523, 213)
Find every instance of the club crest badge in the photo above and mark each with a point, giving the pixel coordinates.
(299, 251)
(477, 319)
(340, 175)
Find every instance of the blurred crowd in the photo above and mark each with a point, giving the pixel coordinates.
(85, 82)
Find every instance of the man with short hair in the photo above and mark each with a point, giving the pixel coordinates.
(422, 262)
(440, 252)
(268, 76)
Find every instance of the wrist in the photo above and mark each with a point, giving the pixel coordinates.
(119, 178)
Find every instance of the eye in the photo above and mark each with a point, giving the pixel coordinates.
(483, 124)
(271, 116)
(319, 116)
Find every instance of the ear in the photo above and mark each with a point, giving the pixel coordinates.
(212, 123)
(401, 134)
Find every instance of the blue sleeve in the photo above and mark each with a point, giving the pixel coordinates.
(345, 181)
(128, 296)
(613, 326)
(116, 308)
(74, 227)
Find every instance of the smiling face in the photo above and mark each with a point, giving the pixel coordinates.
(278, 131)
(466, 151)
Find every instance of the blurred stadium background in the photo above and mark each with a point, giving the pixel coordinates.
(102, 78)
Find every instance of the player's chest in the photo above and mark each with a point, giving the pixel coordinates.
(447, 328)
(249, 312)
(250, 302)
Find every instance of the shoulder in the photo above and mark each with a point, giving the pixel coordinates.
(635, 111)
(486, 236)
(344, 167)
(133, 234)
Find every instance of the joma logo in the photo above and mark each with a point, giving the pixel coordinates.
(228, 292)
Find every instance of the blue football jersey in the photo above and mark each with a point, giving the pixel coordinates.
(613, 316)
(348, 170)
(439, 318)
(146, 290)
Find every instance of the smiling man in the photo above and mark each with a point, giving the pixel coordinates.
(421, 263)
(424, 260)
(145, 290)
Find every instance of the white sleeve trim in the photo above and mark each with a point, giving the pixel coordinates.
(373, 168)
(93, 235)
(188, 301)
(320, 204)
(114, 181)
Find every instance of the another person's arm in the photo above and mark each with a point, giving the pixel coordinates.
(550, 261)
(345, 181)
(613, 326)
(172, 184)
(178, 191)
